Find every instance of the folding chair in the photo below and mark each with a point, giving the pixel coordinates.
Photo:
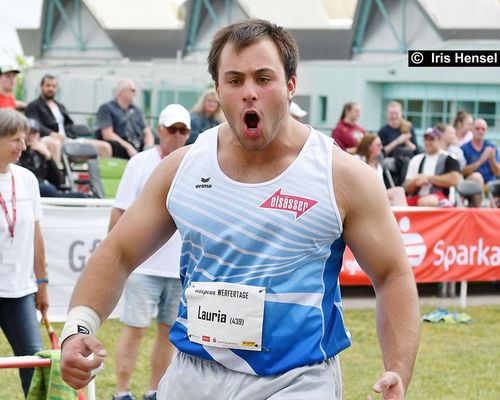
(111, 171)
(81, 159)
(468, 191)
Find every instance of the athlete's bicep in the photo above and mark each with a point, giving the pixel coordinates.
(370, 229)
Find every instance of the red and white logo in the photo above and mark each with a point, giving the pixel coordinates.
(286, 202)
(414, 242)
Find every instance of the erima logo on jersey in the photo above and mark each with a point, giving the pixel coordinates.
(286, 202)
(204, 184)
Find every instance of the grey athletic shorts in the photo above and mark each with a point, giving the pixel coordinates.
(193, 378)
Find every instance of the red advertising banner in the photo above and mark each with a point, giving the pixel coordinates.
(443, 245)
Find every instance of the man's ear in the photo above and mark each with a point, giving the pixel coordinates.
(216, 88)
(291, 87)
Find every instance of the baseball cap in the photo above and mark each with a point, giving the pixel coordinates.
(174, 113)
(8, 68)
(296, 111)
(433, 132)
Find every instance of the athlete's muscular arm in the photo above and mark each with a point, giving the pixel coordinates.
(143, 228)
(371, 232)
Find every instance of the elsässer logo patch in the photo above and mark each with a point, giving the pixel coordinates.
(286, 202)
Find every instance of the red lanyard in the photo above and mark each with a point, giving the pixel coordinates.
(10, 222)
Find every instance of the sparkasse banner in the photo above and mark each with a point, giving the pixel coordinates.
(443, 245)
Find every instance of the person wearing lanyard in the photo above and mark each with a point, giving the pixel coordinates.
(22, 255)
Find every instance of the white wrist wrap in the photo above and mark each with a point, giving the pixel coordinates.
(80, 319)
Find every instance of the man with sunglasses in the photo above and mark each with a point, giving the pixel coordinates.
(155, 284)
(121, 123)
(431, 174)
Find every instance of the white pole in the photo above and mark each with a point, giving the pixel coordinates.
(91, 390)
(463, 294)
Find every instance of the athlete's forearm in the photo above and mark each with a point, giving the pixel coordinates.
(398, 324)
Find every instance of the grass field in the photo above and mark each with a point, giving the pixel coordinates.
(456, 362)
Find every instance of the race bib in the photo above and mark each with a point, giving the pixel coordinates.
(226, 315)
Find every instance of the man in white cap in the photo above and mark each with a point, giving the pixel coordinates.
(7, 83)
(155, 284)
(297, 112)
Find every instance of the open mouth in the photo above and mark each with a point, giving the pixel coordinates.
(251, 120)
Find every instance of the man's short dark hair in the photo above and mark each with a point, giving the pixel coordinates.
(244, 33)
(46, 77)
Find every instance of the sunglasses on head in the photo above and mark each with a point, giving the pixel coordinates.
(173, 129)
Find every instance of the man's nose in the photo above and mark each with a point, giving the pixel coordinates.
(249, 91)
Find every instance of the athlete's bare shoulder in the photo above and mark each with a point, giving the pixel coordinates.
(166, 170)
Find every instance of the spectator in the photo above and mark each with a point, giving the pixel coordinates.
(297, 112)
(481, 155)
(347, 133)
(399, 140)
(55, 123)
(23, 283)
(205, 114)
(38, 159)
(369, 150)
(122, 124)
(155, 284)
(463, 126)
(8, 76)
(449, 142)
(431, 174)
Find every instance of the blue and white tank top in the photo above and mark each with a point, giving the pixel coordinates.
(284, 234)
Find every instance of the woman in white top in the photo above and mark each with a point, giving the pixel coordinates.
(369, 150)
(23, 278)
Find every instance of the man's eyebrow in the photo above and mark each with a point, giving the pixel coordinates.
(257, 71)
(233, 72)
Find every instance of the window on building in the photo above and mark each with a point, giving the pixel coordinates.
(487, 111)
(323, 108)
(424, 113)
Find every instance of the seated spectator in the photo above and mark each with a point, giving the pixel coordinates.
(38, 159)
(296, 112)
(449, 142)
(205, 114)
(481, 155)
(431, 174)
(122, 124)
(369, 151)
(348, 133)
(8, 76)
(463, 127)
(55, 123)
(399, 140)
